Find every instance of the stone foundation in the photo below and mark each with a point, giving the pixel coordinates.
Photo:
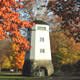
(38, 68)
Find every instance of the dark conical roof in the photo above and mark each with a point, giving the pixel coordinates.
(40, 22)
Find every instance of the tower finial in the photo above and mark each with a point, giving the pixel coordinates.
(39, 9)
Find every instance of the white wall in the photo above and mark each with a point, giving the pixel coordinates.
(37, 44)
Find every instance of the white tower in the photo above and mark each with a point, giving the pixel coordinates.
(38, 59)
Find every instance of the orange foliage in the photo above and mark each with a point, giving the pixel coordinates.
(19, 60)
(16, 58)
(10, 22)
(64, 49)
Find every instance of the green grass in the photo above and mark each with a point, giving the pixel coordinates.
(13, 76)
(20, 78)
(16, 76)
(8, 73)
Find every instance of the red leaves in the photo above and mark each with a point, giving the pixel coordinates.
(20, 0)
(20, 6)
(2, 33)
(19, 60)
(11, 23)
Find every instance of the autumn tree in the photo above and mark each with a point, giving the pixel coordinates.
(19, 60)
(64, 50)
(69, 12)
(12, 54)
(30, 10)
(4, 50)
(6, 63)
(10, 23)
(16, 58)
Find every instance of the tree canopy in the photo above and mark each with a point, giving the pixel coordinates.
(69, 13)
(10, 23)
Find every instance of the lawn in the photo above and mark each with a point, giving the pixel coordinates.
(17, 76)
(13, 76)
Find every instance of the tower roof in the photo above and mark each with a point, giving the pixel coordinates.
(40, 22)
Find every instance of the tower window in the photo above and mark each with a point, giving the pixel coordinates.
(41, 39)
(42, 50)
(41, 28)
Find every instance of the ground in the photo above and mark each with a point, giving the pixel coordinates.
(58, 76)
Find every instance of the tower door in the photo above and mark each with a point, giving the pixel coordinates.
(41, 72)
